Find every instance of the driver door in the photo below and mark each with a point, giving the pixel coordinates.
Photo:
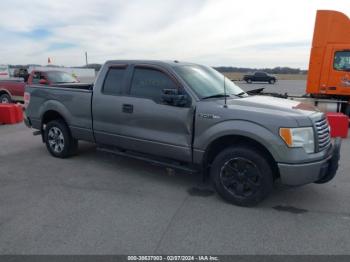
(150, 125)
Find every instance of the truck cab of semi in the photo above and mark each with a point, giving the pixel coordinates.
(329, 66)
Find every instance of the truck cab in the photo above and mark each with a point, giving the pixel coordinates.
(50, 77)
(12, 90)
(329, 67)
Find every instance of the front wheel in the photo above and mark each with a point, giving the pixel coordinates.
(242, 176)
(58, 139)
(5, 99)
(272, 81)
(249, 81)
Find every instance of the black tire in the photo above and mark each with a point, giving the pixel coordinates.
(249, 81)
(5, 99)
(58, 139)
(272, 81)
(241, 187)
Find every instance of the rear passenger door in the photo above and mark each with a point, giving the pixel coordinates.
(108, 119)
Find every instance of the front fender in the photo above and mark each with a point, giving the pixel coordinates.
(256, 132)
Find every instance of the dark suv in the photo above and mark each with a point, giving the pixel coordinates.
(260, 77)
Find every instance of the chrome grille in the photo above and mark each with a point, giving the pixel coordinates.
(323, 135)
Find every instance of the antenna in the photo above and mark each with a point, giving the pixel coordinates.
(225, 105)
(86, 58)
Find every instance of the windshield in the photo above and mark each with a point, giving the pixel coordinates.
(207, 82)
(61, 77)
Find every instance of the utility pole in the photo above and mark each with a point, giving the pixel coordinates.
(86, 58)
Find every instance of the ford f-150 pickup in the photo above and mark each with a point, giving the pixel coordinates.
(190, 117)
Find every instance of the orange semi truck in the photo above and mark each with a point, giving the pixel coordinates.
(328, 79)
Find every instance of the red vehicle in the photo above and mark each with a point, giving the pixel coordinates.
(13, 90)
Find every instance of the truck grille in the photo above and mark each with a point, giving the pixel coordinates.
(323, 135)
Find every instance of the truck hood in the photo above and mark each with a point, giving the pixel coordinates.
(260, 109)
(286, 106)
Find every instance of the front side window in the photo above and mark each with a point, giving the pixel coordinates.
(342, 61)
(114, 81)
(150, 83)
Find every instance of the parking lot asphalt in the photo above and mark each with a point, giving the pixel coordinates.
(98, 203)
(292, 87)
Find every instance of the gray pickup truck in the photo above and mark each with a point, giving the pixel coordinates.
(189, 117)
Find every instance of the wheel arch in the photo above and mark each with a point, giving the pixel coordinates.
(223, 142)
(48, 116)
(51, 115)
(4, 91)
(51, 109)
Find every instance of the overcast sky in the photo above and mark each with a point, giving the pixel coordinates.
(243, 33)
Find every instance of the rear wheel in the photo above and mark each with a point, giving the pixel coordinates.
(242, 176)
(5, 99)
(58, 139)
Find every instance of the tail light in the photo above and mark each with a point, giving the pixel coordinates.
(26, 99)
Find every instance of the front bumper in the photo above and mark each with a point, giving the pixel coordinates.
(314, 172)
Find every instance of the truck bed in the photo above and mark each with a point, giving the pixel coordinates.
(72, 101)
(80, 86)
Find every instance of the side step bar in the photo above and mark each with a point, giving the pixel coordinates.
(156, 162)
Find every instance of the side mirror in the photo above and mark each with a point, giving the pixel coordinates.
(43, 82)
(172, 97)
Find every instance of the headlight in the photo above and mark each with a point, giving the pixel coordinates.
(299, 137)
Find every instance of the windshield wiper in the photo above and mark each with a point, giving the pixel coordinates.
(215, 96)
(241, 94)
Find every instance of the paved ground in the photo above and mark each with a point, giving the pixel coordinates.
(292, 87)
(97, 203)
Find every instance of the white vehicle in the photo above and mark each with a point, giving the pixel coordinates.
(4, 72)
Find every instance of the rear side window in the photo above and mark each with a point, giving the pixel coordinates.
(114, 81)
(342, 61)
(149, 83)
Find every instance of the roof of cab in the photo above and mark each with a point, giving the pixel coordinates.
(170, 63)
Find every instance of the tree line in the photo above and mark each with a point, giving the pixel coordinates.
(275, 70)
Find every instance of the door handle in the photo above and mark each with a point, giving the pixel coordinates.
(127, 108)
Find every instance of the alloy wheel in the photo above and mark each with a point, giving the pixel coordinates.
(56, 139)
(241, 177)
